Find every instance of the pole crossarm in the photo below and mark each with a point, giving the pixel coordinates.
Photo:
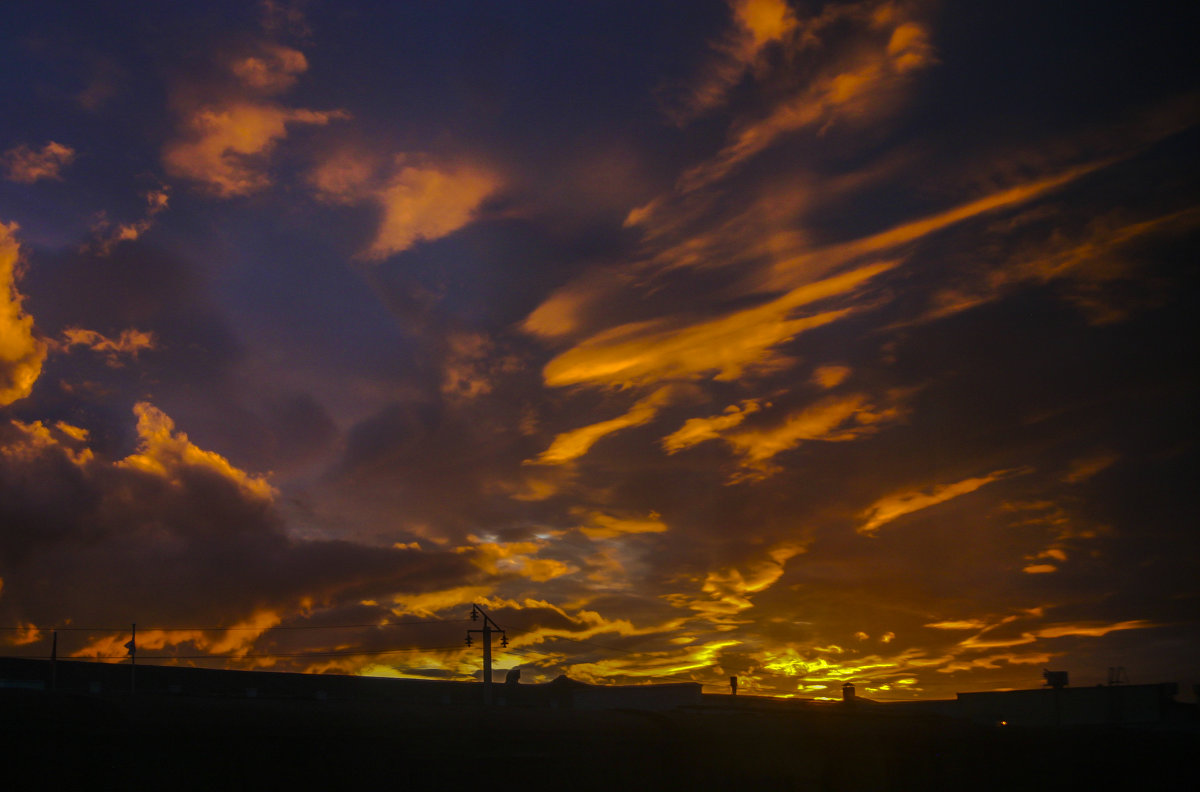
(489, 627)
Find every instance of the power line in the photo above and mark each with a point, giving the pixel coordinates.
(523, 651)
(77, 628)
(674, 677)
(271, 655)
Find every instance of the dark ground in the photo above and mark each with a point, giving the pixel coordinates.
(56, 741)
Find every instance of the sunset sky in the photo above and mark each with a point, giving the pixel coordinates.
(804, 342)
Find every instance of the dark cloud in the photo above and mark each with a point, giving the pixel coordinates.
(90, 540)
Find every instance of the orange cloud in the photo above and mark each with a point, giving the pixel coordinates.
(990, 661)
(959, 624)
(420, 200)
(74, 432)
(1092, 630)
(909, 48)
(729, 589)
(472, 366)
(725, 347)
(498, 558)
(756, 25)
(648, 665)
(224, 147)
(885, 510)
(1052, 553)
(429, 603)
(272, 70)
(1086, 467)
(791, 662)
(571, 445)
(764, 20)
(37, 437)
(584, 624)
(785, 270)
(872, 75)
(599, 525)
(1084, 260)
(130, 342)
(835, 419)
(26, 165)
(698, 430)
(164, 452)
(21, 352)
(108, 235)
(978, 641)
(24, 635)
(225, 141)
(236, 641)
(426, 204)
(561, 314)
(829, 377)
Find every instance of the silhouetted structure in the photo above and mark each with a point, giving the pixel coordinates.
(1055, 679)
(270, 730)
(1067, 706)
(157, 680)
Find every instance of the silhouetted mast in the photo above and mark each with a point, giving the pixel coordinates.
(488, 628)
(131, 647)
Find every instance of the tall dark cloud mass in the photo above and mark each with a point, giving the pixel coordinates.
(803, 342)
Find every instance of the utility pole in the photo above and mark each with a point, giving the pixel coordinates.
(488, 628)
(132, 648)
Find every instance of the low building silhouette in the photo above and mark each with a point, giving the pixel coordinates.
(73, 676)
(1072, 706)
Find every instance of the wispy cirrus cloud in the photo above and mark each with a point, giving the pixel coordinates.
(756, 24)
(764, 242)
(515, 558)
(571, 445)
(862, 82)
(831, 420)
(1089, 262)
(723, 348)
(698, 430)
(599, 525)
(895, 506)
(728, 591)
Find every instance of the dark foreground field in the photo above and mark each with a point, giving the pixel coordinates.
(71, 741)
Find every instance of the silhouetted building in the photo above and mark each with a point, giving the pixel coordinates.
(1071, 706)
(1056, 679)
(112, 678)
